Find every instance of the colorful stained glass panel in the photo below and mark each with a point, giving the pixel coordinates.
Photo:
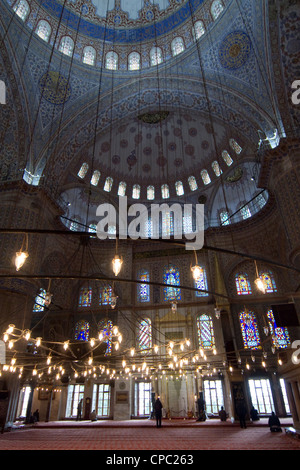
(280, 335)
(205, 332)
(171, 276)
(85, 297)
(82, 331)
(249, 330)
(145, 335)
(242, 284)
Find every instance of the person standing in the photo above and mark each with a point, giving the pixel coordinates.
(79, 410)
(241, 412)
(158, 412)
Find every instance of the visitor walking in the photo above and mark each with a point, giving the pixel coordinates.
(158, 412)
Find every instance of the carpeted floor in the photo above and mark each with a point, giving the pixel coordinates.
(143, 435)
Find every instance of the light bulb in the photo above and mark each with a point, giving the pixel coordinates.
(117, 264)
(21, 257)
(27, 334)
(260, 285)
(196, 272)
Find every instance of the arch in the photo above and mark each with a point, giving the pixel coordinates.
(143, 290)
(82, 330)
(43, 30)
(171, 276)
(216, 9)
(89, 55)
(134, 61)
(242, 282)
(198, 29)
(85, 297)
(269, 281)
(177, 46)
(156, 56)
(111, 60)
(105, 327)
(201, 284)
(205, 177)
(105, 295)
(22, 9)
(280, 335)
(83, 170)
(66, 45)
(144, 334)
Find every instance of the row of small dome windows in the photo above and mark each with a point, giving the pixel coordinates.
(66, 46)
(165, 192)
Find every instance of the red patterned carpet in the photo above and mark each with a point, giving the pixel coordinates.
(143, 435)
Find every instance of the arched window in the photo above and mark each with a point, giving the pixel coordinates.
(111, 60)
(105, 295)
(106, 329)
(269, 281)
(205, 332)
(171, 276)
(177, 46)
(167, 224)
(136, 191)
(83, 170)
(165, 193)
(143, 290)
(39, 304)
(66, 46)
(224, 218)
(249, 330)
(216, 167)
(75, 225)
(242, 284)
(95, 178)
(85, 297)
(43, 30)
(122, 189)
(22, 9)
(201, 284)
(89, 55)
(259, 201)
(145, 335)
(192, 183)
(280, 335)
(150, 193)
(82, 330)
(108, 184)
(134, 61)
(216, 9)
(156, 56)
(92, 229)
(198, 29)
(205, 177)
(235, 146)
(227, 158)
(179, 188)
(245, 212)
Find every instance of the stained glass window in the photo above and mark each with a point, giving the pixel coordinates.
(105, 295)
(150, 193)
(280, 335)
(198, 30)
(122, 189)
(216, 167)
(39, 304)
(85, 297)
(111, 62)
(95, 178)
(249, 330)
(66, 46)
(22, 9)
(83, 170)
(269, 282)
(143, 289)
(235, 146)
(43, 30)
(106, 327)
(201, 284)
(205, 332)
(205, 177)
(136, 191)
(192, 183)
(216, 9)
(227, 158)
(187, 224)
(242, 284)
(89, 55)
(177, 46)
(171, 276)
(156, 56)
(145, 335)
(134, 61)
(82, 330)
(260, 201)
(108, 184)
(179, 188)
(74, 225)
(167, 224)
(224, 218)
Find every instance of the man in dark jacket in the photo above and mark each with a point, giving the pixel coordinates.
(158, 412)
